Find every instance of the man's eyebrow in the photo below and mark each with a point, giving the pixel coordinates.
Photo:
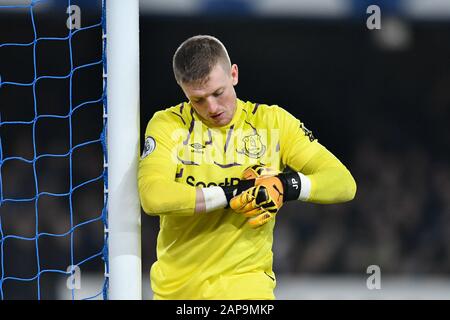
(201, 97)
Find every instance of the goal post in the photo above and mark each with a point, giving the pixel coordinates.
(123, 148)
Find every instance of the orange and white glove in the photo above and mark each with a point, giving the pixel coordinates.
(261, 202)
(219, 197)
(247, 181)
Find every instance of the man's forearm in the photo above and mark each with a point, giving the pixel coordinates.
(214, 198)
(157, 200)
(327, 180)
(332, 185)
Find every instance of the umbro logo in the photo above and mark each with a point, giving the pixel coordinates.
(197, 147)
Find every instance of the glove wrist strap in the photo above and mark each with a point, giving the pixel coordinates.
(291, 185)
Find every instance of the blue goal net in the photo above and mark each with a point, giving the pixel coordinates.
(53, 186)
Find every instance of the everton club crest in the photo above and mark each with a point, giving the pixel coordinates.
(253, 146)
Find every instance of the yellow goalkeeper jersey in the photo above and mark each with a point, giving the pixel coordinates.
(217, 255)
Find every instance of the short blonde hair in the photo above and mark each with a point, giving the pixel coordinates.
(197, 56)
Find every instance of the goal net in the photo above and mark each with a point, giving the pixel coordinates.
(54, 193)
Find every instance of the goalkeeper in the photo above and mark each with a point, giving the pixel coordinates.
(216, 170)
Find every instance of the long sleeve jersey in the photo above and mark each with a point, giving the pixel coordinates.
(217, 255)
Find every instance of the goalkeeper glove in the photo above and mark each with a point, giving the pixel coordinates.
(219, 197)
(247, 181)
(261, 202)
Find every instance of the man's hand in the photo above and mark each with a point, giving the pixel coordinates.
(261, 202)
(219, 197)
(247, 181)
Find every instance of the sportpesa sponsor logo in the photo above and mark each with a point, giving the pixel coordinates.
(190, 180)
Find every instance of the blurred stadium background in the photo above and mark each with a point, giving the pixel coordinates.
(378, 99)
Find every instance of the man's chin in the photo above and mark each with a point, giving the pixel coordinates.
(220, 122)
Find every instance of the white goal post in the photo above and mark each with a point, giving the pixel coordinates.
(122, 56)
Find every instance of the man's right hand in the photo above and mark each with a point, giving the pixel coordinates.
(247, 181)
(219, 197)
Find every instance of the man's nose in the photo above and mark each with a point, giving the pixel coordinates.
(213, 107)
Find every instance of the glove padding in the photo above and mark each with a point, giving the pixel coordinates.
(247, 181)
(261, 202)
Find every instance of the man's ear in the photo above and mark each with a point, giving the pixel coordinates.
(182, 89)
(235, 74)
